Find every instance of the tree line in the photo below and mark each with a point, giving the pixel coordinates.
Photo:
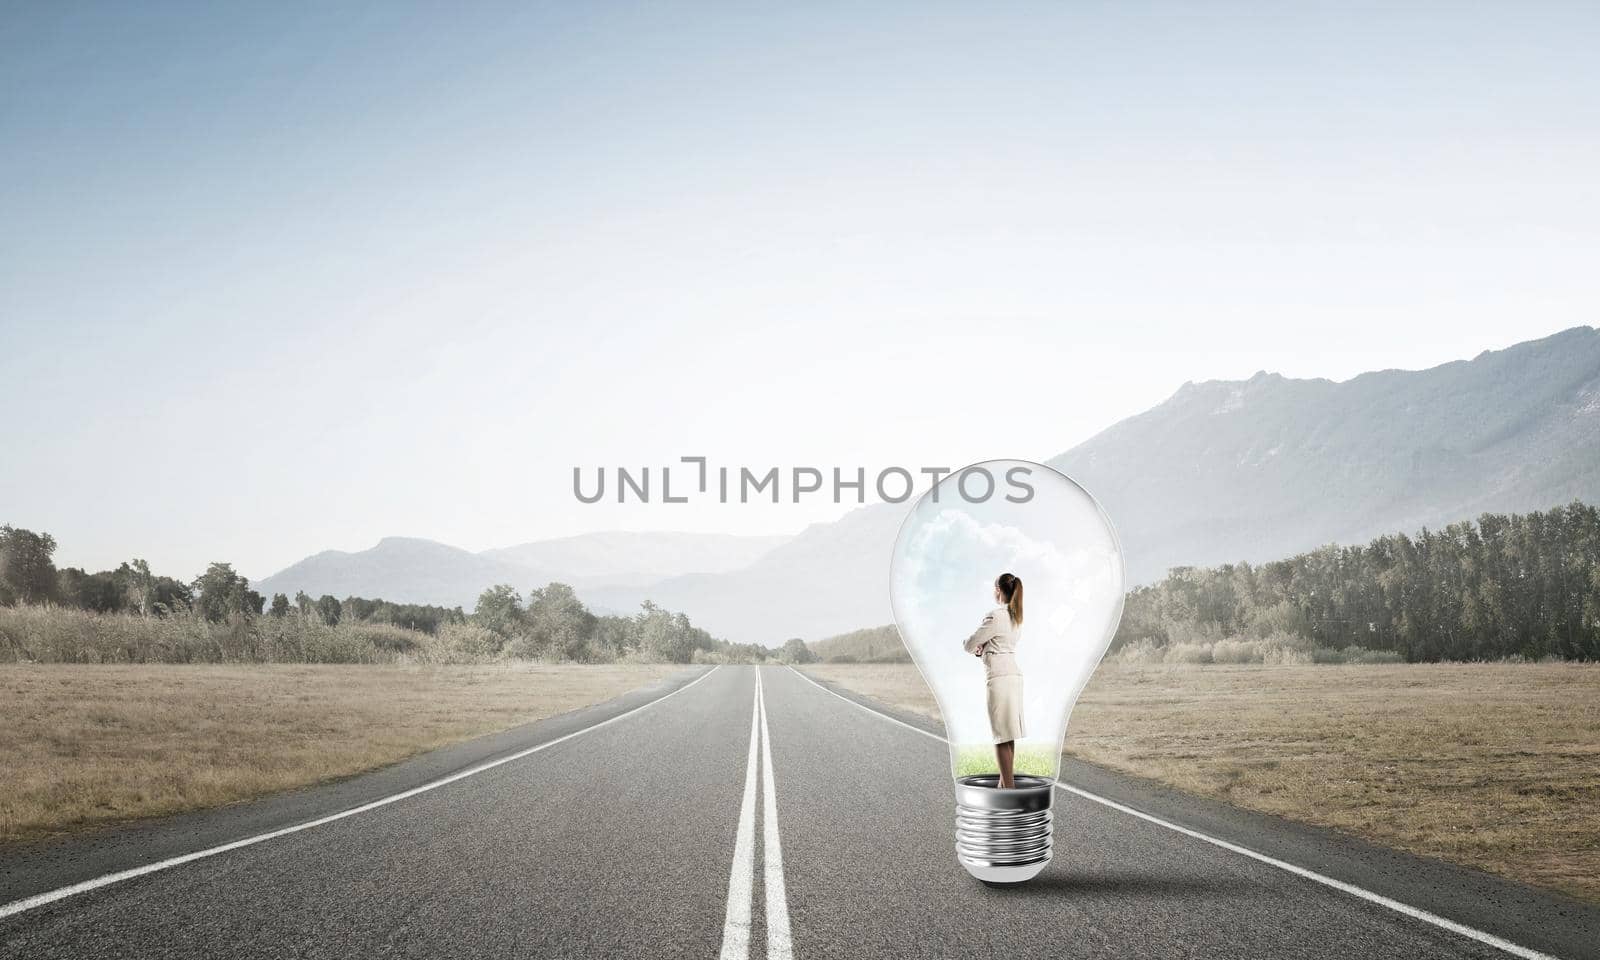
(1508, 586)
(331, 610)
(28, 575)
(553, 624)
(869, 645)
(550, 624)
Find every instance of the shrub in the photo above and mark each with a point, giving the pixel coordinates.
(1276, 649)
(1363, 655)
(1237, 651)
(48, 634)
(1188, 653)
(458, 643)
(388, 637)
(1140, 652)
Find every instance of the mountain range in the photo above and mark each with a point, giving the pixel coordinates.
(1221, 471)
(414, 570)
(1268, 467)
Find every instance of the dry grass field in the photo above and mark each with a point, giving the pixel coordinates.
(1495, 766)
(85, 744)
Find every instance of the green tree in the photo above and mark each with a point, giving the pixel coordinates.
(558, 625)
(221, 594)
(499, 609)
(613, 637)
(170, 594)
(329, 609)
(795, 651)
(280, 605)
(88, 591)
(27, 572)
(140, 585)
(360, 608)
(667, 636)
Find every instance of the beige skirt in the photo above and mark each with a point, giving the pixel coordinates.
(1005, 708)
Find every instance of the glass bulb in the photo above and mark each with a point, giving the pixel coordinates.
(1025, 519)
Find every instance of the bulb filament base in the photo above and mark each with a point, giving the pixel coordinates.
(1003, 836)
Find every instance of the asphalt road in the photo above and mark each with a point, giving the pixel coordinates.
(659, 825)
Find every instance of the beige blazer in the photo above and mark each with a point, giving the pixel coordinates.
(998, 637)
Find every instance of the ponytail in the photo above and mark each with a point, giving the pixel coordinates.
(1011, 590)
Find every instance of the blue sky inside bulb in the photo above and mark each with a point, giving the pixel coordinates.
(1029, 520)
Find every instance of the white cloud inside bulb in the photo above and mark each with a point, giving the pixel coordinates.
(953, 553)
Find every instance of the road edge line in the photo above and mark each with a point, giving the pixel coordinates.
(61, 893)
(1405, 909)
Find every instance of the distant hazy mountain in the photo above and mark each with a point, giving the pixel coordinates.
(1265, 468)
(830, 578)
(411, 570)
(1238, 470)
(402, 569)
(619, 557)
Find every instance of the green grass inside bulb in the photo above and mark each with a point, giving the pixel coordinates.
(1034, 760)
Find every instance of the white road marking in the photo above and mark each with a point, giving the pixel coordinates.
(741, 876)
(736, 928)
(1416, 913)
(779, 944)
(39, 900)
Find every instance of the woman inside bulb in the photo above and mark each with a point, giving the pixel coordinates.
(995, 643)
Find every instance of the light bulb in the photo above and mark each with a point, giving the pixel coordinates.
(1022, 518)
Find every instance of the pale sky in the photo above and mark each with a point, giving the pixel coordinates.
(287, 278)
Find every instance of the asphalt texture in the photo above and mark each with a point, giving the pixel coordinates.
(619, 841)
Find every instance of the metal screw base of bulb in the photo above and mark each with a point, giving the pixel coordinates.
(1003, 836)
